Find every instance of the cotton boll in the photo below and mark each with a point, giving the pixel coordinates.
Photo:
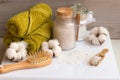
(91, 37)
(17, 51)
(10, 53)
(22, 45)
(18, 57)
(45, 46)
(98, 35)
(56, 51)
(25, 43)
(50, 52)
(94, 30)
(21, 54)
(95, 41)
(45, 43)
(14, 45)
(102, 38)
(103, 30)
(15, 58)
(52, 43)
(56, 42)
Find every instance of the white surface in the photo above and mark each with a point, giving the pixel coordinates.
(107, 70)
(116, 48)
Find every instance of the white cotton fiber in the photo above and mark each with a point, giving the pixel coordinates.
(17, 51)
(57, 50)
(21, 54)
(102, 38)
(94, 30)
(52, 47)
(45, 46)
(95, 41)
(49, 51)
(52, 43)
(10, 53)
(103, 30)
(22, 45)
(14, 45)
(91, 37)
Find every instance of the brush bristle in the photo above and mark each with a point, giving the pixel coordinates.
(38, 57)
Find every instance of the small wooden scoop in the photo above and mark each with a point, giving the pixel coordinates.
(77, 19)
(98, 57)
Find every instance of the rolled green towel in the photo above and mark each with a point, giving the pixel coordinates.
(8, 38)
(33, 26)
(26, 22)
(18, 24)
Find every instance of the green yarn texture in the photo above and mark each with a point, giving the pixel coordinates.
(33, 26)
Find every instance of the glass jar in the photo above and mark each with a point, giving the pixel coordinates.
(79, 8)
(64, 28)
(80, 14)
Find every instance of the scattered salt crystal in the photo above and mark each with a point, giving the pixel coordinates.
(95, 60)
(75, 57)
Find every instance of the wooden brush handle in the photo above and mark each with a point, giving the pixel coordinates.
(103, 52)
(22, 65)
(12, 67)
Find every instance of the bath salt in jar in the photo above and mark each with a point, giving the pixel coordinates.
(64, 28)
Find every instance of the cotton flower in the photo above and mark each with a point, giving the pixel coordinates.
(103, 30)
(14, 45)
(45, 46)
(94, 31)
(91, 37)
(52, 43)
(52, 47)
(95, 41)
(21, 54)
(102, 38)
(98, 35)
(10, 52)
(22, 45)
(17, 51)
(49, 51)
(56, 51)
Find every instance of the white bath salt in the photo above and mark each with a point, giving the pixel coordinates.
(1, 66)
(75, 57)
(95, 60)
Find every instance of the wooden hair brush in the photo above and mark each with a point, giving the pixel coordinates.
(35, 60)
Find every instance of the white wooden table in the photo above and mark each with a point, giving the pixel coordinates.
(107, 70)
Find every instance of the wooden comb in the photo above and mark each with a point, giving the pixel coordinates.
(36, 60)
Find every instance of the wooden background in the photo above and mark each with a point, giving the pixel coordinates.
(107, 12)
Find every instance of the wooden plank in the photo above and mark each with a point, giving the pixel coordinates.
(106, 12)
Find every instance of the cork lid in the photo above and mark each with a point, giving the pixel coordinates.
(64, 11)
